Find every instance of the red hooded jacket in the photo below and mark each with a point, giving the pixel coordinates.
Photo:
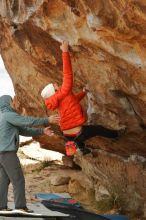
(68, 103)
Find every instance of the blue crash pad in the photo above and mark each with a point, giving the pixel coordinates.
(116, 217)
(58, 198)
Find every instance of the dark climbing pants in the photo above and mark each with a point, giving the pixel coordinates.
(11, 171)
(89, 131)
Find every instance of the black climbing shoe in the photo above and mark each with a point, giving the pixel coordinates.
(85, 150)
(142, 125)
(122, 131)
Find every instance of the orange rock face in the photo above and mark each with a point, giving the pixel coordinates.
(108, 49)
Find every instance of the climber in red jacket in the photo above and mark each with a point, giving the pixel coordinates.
(72, 116)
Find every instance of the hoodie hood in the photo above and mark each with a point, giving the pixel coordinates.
(5, 103)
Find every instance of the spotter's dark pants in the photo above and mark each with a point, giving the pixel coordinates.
(11, 171)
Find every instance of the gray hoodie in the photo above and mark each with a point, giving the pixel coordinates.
(12, 125)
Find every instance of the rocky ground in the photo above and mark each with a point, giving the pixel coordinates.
(46, 171)
(37, 165)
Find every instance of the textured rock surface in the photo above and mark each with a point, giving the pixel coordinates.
(108, 53)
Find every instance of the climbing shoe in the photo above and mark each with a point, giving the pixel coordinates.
(70, 147)
(122, 131)
(143, 126)
(85, 150)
